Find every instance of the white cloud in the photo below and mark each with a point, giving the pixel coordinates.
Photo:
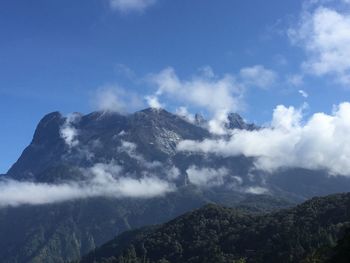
(112, 98)
(130, 149)
(215, 94)
(69, 133)
(320, 143)
(204, 91)
(206, 177)
(303, 93)
(256, 190)
(153, 102)
(105, 181)
(173, 173)
(184, 113)
(258, 76)
(324, 34)
(127, 6)
(295, 80)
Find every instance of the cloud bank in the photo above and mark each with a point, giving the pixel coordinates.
(105, 180)
(320, 143)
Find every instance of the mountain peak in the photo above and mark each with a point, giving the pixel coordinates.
(151, 110)
(235, 121)
(48, 125)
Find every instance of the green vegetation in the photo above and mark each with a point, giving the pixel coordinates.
(219, 234)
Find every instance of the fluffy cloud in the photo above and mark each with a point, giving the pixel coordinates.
(204, 91)
(126, 6)
(153, 102)
(320, 143)
(206, 177)
(218, 95)
(115, 99)
(105, 181)
(68, 132)
(324, 34)
(258, 76)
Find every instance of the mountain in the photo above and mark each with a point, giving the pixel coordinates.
(219, 234)
(76, 149)
(146, 140)
(155, 132)
(235, 121)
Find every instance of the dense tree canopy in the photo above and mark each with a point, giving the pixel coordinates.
(218, 234)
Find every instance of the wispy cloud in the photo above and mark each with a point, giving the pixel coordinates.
(258, 76)
(303, 93)
(68, 132)
(112, 98)
(295, 80)
(206, 177)
(184, 113)
(127, 6)
(130, 149)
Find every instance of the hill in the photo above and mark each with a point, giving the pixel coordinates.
(219, 234)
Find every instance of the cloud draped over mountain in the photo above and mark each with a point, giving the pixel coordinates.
(217, 95)
(320, 143)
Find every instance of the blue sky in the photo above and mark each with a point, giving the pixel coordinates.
(60, 55)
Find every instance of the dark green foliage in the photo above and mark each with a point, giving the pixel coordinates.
(219, 234)
(332, 254)
(341, 253)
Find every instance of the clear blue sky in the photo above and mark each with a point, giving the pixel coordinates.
(54, 55)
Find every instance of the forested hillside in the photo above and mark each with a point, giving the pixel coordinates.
(218, 234)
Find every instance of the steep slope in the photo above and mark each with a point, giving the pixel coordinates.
(218, 234)
(66, 149)
(99, 136)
